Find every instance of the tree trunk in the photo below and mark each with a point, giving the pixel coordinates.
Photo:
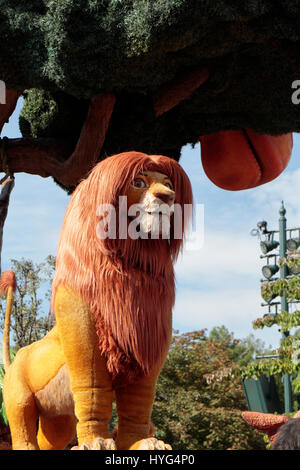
(7, 187)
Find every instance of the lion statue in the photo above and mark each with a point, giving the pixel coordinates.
(112, 297)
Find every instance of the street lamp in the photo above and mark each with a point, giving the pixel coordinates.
(262, 226)
(292, 244)
(269, 270)
(268, 245)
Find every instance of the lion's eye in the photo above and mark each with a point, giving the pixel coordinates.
(139, 183)
(169, 185)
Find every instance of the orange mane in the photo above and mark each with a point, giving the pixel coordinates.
(128, 284)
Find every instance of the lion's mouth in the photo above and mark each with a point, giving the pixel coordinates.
(154, 221)
(156, 211)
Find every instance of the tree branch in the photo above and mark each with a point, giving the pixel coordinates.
(178, 90)
(6, 188)
(91, 140)
(51, 157)
(44, 157)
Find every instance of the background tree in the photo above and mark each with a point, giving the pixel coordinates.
(29, 320)
(104, 76)
(241, 351)
(199, 400)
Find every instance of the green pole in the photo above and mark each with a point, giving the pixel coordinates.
(287, 386)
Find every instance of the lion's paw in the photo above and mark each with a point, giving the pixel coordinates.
(98, 444)
(153, 444)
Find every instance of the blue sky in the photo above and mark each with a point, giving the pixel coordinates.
(218, 284)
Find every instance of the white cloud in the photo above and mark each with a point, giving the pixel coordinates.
(286, 188)
(223, 254)
(205, 309)
(234, 308)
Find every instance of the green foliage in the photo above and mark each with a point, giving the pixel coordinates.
(199, 400)
(290, 286)
(29, 324)
(73, 50)
(285, 320)
(51, 114)
(76, 45)
(241, 351)
(3, 417)
(274, 367)
(292, 260)
(287, 361)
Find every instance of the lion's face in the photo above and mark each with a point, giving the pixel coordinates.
(152, 196)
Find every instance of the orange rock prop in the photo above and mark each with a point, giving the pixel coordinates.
(243, 159)
(272, 425)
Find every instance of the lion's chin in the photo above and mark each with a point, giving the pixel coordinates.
(155, 225)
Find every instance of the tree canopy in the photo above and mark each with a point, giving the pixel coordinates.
(244, 55)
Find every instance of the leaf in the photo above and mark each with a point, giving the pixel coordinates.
(3, 417)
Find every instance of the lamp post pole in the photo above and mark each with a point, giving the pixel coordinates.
(287, 386)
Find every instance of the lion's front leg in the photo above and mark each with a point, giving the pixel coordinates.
(134, 405)
(90, 382)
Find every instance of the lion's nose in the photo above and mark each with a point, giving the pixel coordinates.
(167, 198)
